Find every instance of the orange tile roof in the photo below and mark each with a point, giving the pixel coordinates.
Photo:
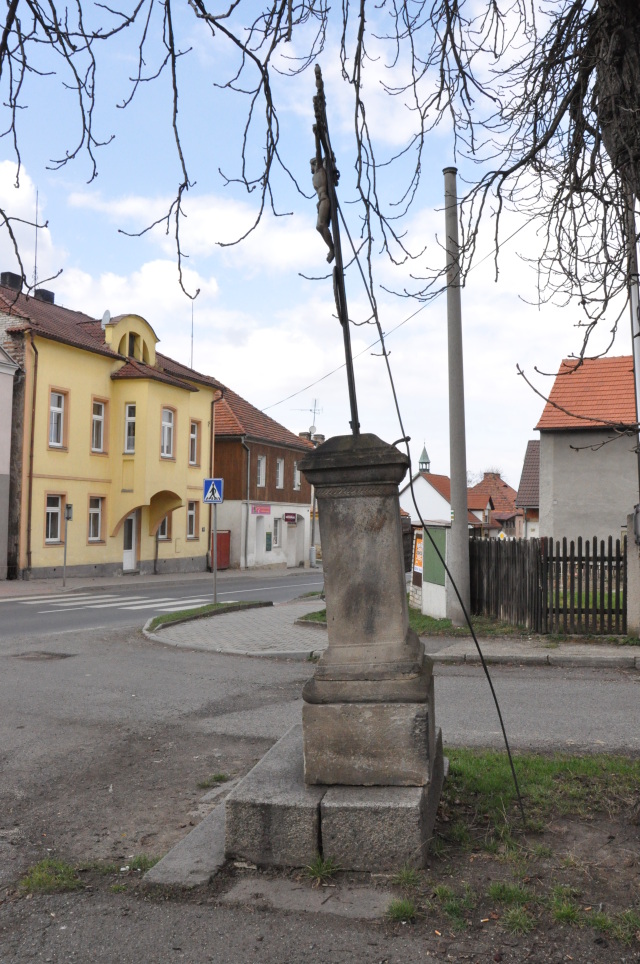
(495, 488)
(597, 393)
(442, 485)
(236, 416)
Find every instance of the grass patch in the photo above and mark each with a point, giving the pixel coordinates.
(408, 878)
(455, 907)
(212, 781)
(505, 893)
(480, 788)
(118, 888)
(50, 876)
(401, 910)
(197, 611)
(318, 617)
(142, 863)
(321, 869)
(518, 921)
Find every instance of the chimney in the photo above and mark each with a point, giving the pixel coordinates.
(305, 435)
(317, 439)
(11, 280)
(42, 294)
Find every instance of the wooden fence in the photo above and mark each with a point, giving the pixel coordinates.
(575, 587)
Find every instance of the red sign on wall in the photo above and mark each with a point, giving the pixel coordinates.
(260, 510)
(290, 518)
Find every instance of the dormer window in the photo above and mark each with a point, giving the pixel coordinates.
(133, 345)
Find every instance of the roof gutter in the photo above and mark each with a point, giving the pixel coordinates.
(31, 448)
(246, 527)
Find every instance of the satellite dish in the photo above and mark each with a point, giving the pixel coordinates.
(106, 318)
(312, 430)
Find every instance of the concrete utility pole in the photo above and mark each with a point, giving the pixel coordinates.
(635, 311)
(458, 550)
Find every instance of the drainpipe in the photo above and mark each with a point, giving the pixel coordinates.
(31, 447)
(246, 528)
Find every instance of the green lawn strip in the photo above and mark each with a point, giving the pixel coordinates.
(486, 627)
(210, 609)
(480, 787)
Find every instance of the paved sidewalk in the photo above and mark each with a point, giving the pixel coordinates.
(273, 631)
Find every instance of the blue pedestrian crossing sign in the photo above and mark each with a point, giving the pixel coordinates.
(213, 491)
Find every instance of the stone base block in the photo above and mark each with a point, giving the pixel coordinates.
(272, 818)
(367, 744)
(381, 828)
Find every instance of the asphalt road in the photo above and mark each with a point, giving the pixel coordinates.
(105, 735)
(130, 601)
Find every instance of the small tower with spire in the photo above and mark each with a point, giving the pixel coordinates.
(424, 464)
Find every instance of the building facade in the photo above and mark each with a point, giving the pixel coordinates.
(267, 500)
(588, 463)
(111, 443)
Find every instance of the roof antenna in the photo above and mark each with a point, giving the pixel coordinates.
(35, 258)
(191, 366)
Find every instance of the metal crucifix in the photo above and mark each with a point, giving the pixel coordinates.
(325, 179)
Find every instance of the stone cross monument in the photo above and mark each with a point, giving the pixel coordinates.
(362, 780)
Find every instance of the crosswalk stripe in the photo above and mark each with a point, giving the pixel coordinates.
(177, 604)
(56, 600)
(89, 604)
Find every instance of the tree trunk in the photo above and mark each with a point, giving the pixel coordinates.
(617, 93)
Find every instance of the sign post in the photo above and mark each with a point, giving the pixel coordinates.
(68, 517)
(213, 494)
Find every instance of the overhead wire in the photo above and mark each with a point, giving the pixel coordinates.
(391, 330)
(405, 439)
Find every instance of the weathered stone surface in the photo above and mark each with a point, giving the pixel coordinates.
(272, 818)
(368, 717)
(381, 828)
(196, 859)
(367, 744)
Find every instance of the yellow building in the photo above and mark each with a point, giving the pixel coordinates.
(111, 443)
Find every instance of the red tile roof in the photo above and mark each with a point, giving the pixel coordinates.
(137, 369)
(529, 489)
(81, 331)
(495, 488)
(597, 393)
(442, 485)
(235, 416)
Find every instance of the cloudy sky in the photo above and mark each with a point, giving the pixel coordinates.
(258, 324)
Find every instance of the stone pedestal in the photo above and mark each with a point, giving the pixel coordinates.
(368, 718)
(373, 766)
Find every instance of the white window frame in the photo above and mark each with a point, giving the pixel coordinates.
(95, 518)
(193, 443)
(166, 441)
(261, 471)
(296, 477)
(279, 473)
(192, 520)
(56, 419)
(97, 426)
(277, 532)
(163, 530)
(130, 422)
(53, 510)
